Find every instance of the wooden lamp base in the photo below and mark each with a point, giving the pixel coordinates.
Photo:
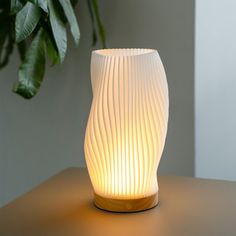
(125, 205)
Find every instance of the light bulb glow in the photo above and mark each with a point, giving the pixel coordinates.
(127, 125)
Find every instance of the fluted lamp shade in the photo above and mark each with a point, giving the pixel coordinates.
(127, 127)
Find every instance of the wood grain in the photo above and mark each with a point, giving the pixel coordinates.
(125, 205)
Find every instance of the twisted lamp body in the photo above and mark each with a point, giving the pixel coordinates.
(127, 125)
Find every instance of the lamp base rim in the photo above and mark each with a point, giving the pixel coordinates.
(126, 205)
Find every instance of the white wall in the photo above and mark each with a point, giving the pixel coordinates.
(215, 89)
(42, 136)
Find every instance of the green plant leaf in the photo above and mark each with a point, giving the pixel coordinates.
(41, 3)
(16, 5)
(6, 46)
(31, 71)
(6, 40)
(22, 49)
(100, 26)
(70, 15)
(26, 20)
(52, 51)
(4, 5)
(58, 29)
(94, 34)
(74, 2)
(3, 30)
(51, 46)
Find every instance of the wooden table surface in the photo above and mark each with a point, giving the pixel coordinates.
(62, 206)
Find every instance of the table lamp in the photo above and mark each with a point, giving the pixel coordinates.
(126, 128)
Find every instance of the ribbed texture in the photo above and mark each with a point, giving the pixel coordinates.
(127, 124)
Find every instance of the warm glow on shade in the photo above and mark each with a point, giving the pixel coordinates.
(127, 127)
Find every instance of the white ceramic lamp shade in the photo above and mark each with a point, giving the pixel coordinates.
(126, 128)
